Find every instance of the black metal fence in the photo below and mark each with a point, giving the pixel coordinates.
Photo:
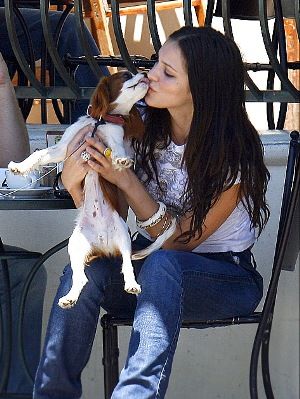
(262, 10)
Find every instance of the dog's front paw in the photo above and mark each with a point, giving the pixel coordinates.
(15, 168)
(133, 288)
(122, 163)
(67, 302)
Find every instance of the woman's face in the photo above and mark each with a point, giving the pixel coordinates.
(169, 86)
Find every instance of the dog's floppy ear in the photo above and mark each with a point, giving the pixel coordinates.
(134, 126)
(100, 99)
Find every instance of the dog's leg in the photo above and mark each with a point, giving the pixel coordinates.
(78, 248)
(124, 245)
(52, 154)
(131, 286)
(120, 159)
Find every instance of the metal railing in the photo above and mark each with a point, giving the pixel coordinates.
(274, 43)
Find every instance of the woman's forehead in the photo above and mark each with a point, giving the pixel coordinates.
(171, 55)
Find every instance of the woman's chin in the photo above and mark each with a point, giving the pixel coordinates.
(149, 100)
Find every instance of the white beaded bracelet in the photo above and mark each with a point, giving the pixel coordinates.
(154, 219)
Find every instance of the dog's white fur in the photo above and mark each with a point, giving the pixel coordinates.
(99, 230)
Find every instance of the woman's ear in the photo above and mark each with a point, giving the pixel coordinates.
(134, 126)
(100, 100)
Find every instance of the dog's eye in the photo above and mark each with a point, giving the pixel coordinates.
(127, 76)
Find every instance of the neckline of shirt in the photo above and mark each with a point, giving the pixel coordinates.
(179, 146)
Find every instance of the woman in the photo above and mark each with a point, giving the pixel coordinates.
(201, 157)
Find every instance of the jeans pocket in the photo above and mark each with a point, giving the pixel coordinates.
(244, 261)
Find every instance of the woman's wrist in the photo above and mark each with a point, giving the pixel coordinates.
(75, 190)
(127, 181)
(77, 196)
(69, 186)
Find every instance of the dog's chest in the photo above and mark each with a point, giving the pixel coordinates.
(98, 221)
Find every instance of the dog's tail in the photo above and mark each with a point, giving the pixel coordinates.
(156, 244)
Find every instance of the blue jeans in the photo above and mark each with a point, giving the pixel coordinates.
(69, 43)
(32, 323)
(176, 286)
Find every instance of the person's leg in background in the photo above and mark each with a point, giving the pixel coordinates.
(32, 323)
(69, 43)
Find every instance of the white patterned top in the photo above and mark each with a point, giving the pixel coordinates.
(235, 234)
(172, 177)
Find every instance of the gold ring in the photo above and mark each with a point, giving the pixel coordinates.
(107, 152)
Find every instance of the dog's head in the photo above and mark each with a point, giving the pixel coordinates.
(116, 94)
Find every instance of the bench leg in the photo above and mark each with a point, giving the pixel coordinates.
(265, 361)
(110, 356)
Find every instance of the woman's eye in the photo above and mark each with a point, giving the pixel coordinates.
(167, 74)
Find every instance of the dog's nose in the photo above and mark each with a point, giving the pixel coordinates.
(127, 75)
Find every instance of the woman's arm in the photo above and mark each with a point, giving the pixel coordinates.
(14, 141)
(75, 168)
(144, 206)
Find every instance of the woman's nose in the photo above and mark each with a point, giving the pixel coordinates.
(152, 74)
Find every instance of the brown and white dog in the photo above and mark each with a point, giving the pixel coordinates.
(99, 230)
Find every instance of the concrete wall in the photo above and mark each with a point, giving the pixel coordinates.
(209, 364)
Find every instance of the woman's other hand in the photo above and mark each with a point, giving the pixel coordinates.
(103, 165)
(75, 168)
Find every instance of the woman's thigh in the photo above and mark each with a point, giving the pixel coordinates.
(212, 286)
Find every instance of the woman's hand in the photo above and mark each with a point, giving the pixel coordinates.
(103, 165)
(75, 168)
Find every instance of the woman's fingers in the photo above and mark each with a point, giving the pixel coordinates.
(97, 155)
(96, 143)
(97, 167)
(96, 149)
(77, 144)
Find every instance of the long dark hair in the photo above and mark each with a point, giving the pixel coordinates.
(222, 144)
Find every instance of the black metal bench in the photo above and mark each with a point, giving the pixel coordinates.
(286, 252)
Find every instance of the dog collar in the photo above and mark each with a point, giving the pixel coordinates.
(117, 119)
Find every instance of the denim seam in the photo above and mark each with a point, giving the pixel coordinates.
(220, 277)
(176, 333)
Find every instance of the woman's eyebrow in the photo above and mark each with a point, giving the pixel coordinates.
(168, 65)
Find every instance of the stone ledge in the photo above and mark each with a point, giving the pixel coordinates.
(275, 142)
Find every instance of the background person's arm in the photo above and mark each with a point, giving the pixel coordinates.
(14, 141)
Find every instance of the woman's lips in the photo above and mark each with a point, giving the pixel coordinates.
(151, 89)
